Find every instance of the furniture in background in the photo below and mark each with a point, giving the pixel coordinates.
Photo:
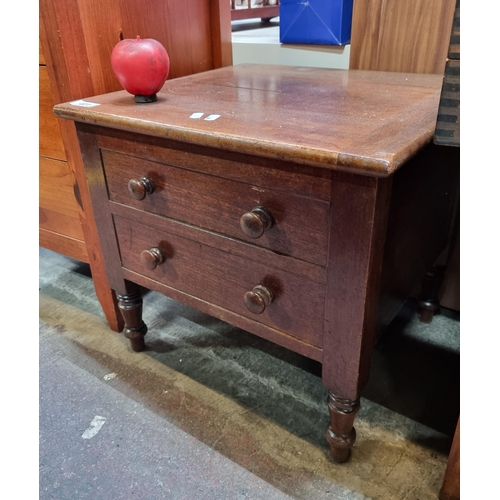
(250, 9)
(412, 36)
(76, 40)
(422, 36)
(253, 214)
(447, 134)
(60, 226)
(401, 35)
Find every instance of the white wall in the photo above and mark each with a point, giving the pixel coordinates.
(263, 46)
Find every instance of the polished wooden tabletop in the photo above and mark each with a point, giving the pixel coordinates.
(368, 122)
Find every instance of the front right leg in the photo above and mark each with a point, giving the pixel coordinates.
(340, 433)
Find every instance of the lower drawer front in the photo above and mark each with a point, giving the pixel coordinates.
(222, 276)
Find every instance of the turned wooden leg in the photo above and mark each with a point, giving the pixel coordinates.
(135, 329)
(341, 434)
(428, 302)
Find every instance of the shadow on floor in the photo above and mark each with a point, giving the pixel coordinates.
(410, 375)
(253, 24)
(414, 377)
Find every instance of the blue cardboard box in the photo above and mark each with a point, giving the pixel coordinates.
(319, 22)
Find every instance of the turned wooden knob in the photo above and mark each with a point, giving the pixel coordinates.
(139, 188)
(258, 299)
(254, 223)
(152, 257)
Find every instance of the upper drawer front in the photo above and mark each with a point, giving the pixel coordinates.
(215, 203)
(221, 271)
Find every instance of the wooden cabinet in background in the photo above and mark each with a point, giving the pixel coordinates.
(411, 36)
(76, 40)
(60, 227)
(401, 35)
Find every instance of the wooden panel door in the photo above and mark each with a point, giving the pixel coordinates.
(401, 35)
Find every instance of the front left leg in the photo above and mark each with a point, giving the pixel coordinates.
(135, 329)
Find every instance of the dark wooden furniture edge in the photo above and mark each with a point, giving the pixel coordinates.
(382, 166)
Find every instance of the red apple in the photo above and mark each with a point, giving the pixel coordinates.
(141, 67)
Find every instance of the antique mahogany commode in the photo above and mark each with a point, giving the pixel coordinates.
(303, 205)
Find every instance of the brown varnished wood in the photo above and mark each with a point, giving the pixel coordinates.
(50, 142)
(450, 489)
(76, 41)
(218, 204)
(184, 29)
(221, 34)
(139, 188)
(52, 35)
(196, 34)
(226, 276)
(152, 257)
(385, 218)
(243, 322)
(412, 249)
(261, 172)
(238, 248)
(330, 135)
(340, 433)
(256, 222)
(401, 35)
(53, 240)
(413, 36)
(54, 175)
(53, 220)
(357, 235)
(130, 305)
(41, 55)
(59, 225)
(258, 298)
(96, 184)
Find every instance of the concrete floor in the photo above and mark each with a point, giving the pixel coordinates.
(209, 411)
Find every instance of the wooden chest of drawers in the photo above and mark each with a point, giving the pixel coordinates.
(304, 211)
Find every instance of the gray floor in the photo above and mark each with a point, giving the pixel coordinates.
(211, 412)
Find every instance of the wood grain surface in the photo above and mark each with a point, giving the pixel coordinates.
(358, 121)
(344, 162)
(214, 269)
(50, 143)
(77, 39)
(401, 35)
(215, 203)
